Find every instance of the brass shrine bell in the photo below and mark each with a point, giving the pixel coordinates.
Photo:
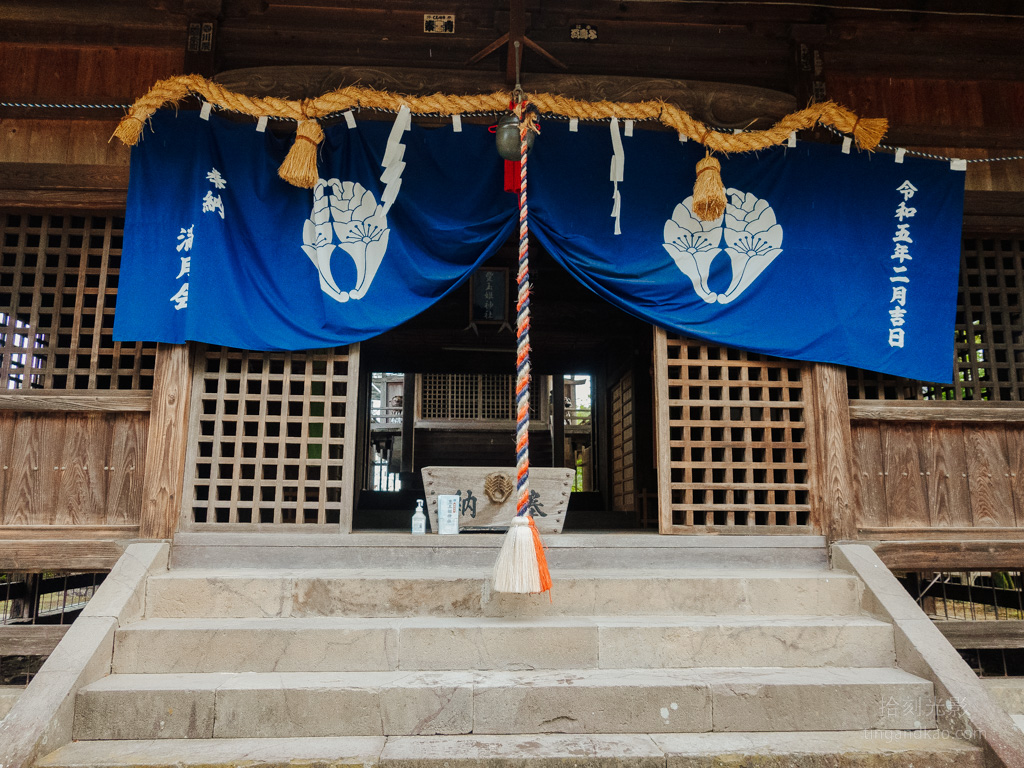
(506, 136)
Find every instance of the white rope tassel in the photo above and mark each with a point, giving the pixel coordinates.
(517, 569)
(615, 175)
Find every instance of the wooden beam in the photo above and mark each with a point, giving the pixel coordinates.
(30, 640)
(832, 484)
(933, 534)
(980, 137)
(78, 187)
(722, 104)
(950, 555)
(983, 634)
(936, 411)
(46, 555)
(996, 212)
(168, 436)
(75, 401)
(63, 532)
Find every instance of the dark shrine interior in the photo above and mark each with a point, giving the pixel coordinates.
(573, 332)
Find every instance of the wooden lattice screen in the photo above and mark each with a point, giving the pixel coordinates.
(80, 460)
(469, 396)
(989, 337)
(271, 439)
(623, 446)
(58, 283)
(733, 451)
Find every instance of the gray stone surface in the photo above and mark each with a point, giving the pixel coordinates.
(590, 550)
(833, 749)
(148, 707)
(424, 703)
(1007, 692)
(8, 695)
(340, 644)
(344, 704)
(376, 592)
(256, 645)
(747, 641)
(42, 718)
(963, 706)
(891, 749)
(595, 701)
(348, 752)
(498, 644)
(534, 750)
(122, 595)
(819, 699)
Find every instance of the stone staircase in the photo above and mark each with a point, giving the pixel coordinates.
(393, 650)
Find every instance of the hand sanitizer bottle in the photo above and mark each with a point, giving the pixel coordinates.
(419, 520)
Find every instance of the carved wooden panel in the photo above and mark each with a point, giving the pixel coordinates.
(989, 336)
(268, 438)
(732, 436)
(58, 285)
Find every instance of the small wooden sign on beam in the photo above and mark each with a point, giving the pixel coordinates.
(439, 23)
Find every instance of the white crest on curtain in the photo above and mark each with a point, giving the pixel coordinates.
(346, 215)
(753, 239)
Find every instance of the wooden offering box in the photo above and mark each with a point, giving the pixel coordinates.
(488, 497)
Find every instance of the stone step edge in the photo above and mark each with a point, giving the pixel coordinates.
(888, 749)
(676, 573)
(588, 621)
(375, 680)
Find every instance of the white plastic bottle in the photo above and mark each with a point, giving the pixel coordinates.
(419, 520)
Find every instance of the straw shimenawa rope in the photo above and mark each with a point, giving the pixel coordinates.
(299, 168)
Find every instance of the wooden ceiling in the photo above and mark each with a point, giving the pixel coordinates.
(735, 42)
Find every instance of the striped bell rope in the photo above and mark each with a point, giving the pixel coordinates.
(522, 567)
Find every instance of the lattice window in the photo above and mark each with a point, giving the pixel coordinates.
(623, 446)
(58, 284)
(989, 345)
(268, 433)
(736, 436)
(461, 396)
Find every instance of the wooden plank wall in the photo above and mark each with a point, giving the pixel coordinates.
(70, 469)
(81, 75)
(73, 461)
(957, 476)
(957, 118)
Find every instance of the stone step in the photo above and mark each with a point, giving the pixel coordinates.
(815, 749)
(181, 593)
(480, 550)
(320, 704)
(342, 644)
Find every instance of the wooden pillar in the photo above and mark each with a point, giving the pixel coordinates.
(558, 419)
(168, 438)
(350, 452)
(832, 506)
(408, 466)
(662, 457)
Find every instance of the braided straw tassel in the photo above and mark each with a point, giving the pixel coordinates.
(708, 190)
(522, 567)
(299, 166)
